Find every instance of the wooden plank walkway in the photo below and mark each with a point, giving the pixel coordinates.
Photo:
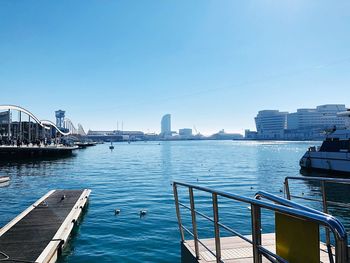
(234, 250)
(39, 233)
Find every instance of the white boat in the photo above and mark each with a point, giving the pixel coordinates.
(4, 180)
(333, 155)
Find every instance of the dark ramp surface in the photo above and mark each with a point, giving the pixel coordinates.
(27, 239)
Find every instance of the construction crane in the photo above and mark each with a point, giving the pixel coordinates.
(194, 128)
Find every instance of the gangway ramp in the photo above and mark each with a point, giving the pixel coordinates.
(40, 232)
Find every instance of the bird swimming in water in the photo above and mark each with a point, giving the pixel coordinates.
(143, 213)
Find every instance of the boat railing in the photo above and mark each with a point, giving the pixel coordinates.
(312, 149)
(279, 205)
(323, 181)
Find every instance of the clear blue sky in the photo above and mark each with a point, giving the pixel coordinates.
(212, 64)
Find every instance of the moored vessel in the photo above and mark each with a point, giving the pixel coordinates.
(333, 156)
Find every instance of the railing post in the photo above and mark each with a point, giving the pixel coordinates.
(286, 185)
(216, 227)
(194, 223)
(178, 212)
(325, 210)
(256, 232)
(341, 251)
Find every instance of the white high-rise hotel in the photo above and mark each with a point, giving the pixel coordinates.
(166, 125)
(303, 124)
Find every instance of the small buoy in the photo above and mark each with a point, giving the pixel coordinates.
(302, 193)
(251, 187)
(143, 212)
(117, 211)
(281, 191)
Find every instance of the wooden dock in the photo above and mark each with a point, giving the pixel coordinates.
(234, 250)
(24, 152)
(40, 232)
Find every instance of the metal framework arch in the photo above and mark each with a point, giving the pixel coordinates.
(50, 123)
(68, 124)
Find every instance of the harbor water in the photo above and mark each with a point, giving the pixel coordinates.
(138, 176)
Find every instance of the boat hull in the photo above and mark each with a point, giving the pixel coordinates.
(331, 162)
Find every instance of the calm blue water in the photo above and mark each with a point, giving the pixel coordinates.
(138, 176)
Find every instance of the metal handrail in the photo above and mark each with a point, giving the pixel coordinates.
(286, 202)
(323, 181)
(285, 207)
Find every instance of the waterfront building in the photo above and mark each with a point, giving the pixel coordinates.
(115, 135)
(323, 116)
(304, 124)
(4, 117)
(250, 135)
(222, 135)
(311, 124)
(166, 125)
(185, 132)
(270, 124)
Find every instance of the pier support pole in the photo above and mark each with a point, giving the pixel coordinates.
(29, 130)
(9, 126)
(20, 126)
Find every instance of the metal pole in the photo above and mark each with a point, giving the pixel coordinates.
(9, 126)
(341, 250)
(36, 131)
(325, 210)
(178, 212)
(194, 223)
(29, 130)
(256, 232)
(20, 126)
(216, 227)
(286, 185)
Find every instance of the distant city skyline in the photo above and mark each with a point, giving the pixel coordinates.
(211, 65)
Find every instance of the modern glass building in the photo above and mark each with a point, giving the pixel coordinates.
(306, 123)
(270, 124)
(166, 125)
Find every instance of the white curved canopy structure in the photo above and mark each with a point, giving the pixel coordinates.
(43, 123)
(13, 107)
(50, 123)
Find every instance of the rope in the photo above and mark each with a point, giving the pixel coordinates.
(7, 258)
